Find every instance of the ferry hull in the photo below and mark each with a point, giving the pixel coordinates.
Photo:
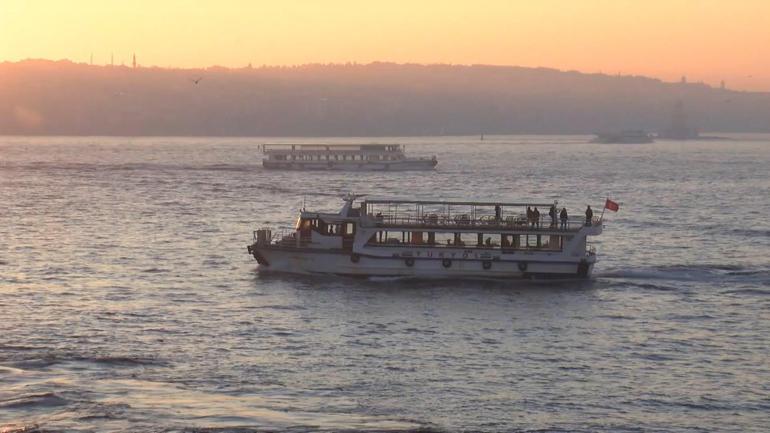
(345, 263)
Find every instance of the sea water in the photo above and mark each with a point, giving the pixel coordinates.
(128, 302)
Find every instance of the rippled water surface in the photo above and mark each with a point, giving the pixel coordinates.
(128, 302)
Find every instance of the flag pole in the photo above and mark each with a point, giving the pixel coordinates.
(601, 217)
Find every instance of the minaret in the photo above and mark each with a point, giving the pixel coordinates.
(134, 61)
(112, 59)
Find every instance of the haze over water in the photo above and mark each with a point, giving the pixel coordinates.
(128, 302)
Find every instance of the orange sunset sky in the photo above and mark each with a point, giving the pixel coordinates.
(705, 40)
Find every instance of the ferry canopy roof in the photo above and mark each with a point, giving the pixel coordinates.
(455, 203)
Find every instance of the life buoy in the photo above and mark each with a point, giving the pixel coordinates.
(446, 263)
(523, 266)
(582, 269)
(486, 264)
(409, 261)
(355, 258)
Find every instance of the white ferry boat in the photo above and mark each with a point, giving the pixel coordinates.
(435, 239)
(388, 157)
(624, 137)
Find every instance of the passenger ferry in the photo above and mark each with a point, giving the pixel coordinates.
(435, 239)
(624, 137)
(388, 157)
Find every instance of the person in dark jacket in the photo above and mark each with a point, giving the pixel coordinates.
(529, 217)
(536, 217)
(552, 214)
(563, 216)
(589, 215)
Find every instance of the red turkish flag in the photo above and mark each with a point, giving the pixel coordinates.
(611, 205)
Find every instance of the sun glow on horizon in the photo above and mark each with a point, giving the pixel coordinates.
(706, 40)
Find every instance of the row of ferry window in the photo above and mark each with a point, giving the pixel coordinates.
(437, 239)
(468, 240)
(319, 225)
(336, 157)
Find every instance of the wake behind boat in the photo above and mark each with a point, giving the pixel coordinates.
(387, 157)
(436, 239)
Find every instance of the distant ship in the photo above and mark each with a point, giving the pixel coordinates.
(385, 157)
(434, 239)
(624, 137)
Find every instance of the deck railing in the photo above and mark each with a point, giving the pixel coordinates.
(487, 222)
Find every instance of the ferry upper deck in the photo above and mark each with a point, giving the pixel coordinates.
(334, 149)
(471, 215)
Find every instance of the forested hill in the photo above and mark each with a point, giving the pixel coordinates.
(65, 98)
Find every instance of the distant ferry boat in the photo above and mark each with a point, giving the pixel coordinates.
(388, 157)
(624, 137)
(435, 239)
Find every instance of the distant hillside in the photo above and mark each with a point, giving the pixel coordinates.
(44, 97)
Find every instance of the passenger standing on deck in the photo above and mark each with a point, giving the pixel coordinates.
(552, 214)
(589, 215)
(529, 216)
(536, 217)
(564, 218)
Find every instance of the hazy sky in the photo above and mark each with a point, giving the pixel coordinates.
(706, 40)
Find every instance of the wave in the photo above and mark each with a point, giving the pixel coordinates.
(123, 360)
(751, 233)
(89, 167)
(647, 274)
(13, 428)
(694, 273)
(155, 270)
(280, 307)
(763, 292)
(48, 360)
(45, 399)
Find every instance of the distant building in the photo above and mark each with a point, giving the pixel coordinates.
(134, 60)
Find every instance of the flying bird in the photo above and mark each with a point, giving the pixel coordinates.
(196, 80)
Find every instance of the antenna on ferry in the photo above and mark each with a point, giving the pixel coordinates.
(303, 202)
(352, 197)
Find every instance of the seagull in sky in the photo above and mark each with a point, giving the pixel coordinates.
(196, 80)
